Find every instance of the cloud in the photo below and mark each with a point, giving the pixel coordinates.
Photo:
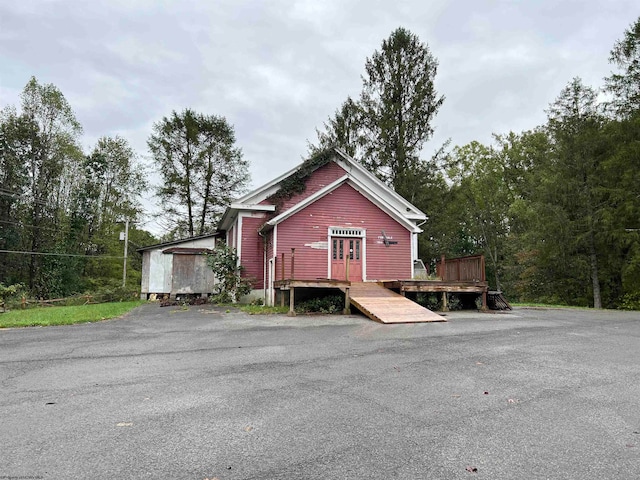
(278, 69)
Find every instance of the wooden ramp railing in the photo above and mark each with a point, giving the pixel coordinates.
(496, 301)
(381, 304)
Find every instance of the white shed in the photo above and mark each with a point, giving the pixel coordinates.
(178, 268)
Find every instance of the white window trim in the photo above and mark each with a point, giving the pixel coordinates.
(273, 262)
(239, 240)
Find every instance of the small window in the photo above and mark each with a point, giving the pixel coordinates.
(341, 250)
(350, 249)
(346, 232)
(357, 249)
(335, 249)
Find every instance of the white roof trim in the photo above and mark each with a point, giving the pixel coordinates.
(377, 192)
(265, 191)
(253, 206)
(350, 165)
(410, 210)
(382, 205)
(358, 186)
(309, 200)
(230, 214)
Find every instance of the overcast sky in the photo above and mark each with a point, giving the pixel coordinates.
(277, 69)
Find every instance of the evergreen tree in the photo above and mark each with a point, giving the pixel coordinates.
(344, 131)
(399, 103)
(625, 85)
(391, 121)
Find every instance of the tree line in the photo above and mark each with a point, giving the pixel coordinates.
(62, 209)
(554, 209)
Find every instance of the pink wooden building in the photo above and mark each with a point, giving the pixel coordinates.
(341, 212)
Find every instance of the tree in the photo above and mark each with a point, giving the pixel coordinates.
(202, 169)
(576, 127)
(622, 167)
(388, 125)
(344, 131)
(107, 196)
(44, 136)
(625, 86)
(14, 134)
(482, 200)
(621, 220)
(111, 186)
(398, 103)
(557, 225)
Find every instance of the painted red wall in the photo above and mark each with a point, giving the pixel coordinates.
(344, 207)
(252, 249)
(322, 177)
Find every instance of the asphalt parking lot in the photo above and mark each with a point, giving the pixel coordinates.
(204, 394)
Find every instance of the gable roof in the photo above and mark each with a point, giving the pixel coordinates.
(356, 175)
(357, 185)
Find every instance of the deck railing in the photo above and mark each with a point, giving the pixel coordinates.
(284, 266)
(461, 269)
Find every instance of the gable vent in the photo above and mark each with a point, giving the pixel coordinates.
(346, 232)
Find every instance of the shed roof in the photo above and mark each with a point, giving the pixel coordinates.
(178, 242)
(187, 251)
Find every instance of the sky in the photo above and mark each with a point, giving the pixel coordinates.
(276, 69)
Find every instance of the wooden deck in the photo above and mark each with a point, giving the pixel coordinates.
(439, 286)
(436, 286)
(380, 302)
(291, 285)
(383, 305)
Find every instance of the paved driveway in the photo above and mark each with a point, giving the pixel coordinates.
(174, 394)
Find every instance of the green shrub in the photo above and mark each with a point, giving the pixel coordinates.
(10, 293)
(231, 286)
(454, 302)
(429, 300)
(329, 304)
(630, 301)
(433, 301)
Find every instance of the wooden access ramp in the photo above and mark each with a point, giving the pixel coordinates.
(385, 306)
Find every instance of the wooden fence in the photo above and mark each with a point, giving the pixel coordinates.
(86, 299)
(461, 269)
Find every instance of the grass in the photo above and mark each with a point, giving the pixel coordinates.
(547, 305)
(49, 316)
(261, 309)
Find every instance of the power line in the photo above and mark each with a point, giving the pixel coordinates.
(9, 193)
(59, 254)
(24, 225)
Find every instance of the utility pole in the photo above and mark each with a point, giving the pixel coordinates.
(126, 244)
